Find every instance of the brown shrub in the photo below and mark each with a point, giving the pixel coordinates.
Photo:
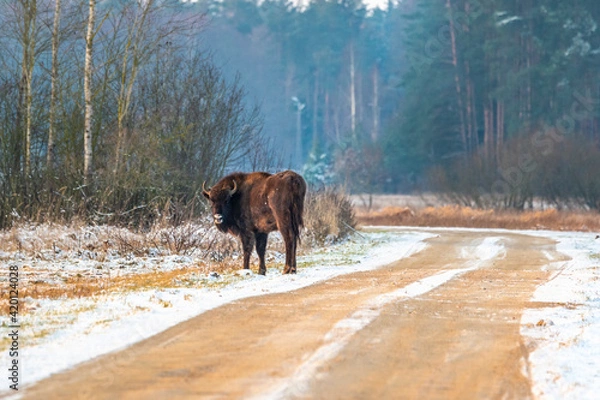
(328, 217)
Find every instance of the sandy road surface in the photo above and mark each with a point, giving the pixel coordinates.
(441, 324)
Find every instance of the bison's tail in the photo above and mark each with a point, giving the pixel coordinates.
(297, 206)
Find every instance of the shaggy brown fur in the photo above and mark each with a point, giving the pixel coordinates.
(252, 205)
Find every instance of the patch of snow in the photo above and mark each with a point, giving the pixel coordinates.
(564, 341)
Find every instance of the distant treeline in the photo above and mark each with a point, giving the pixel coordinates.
(446, 95)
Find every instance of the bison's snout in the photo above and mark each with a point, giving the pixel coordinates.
(218, 219)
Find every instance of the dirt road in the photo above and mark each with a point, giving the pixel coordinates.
(441, 324)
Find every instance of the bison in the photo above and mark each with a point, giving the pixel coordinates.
(252, 205)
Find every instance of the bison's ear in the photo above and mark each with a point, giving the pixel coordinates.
(205, 192)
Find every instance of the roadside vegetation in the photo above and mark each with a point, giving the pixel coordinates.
(79, 259)
(468, 217)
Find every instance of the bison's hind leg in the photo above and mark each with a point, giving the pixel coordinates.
(290, 252)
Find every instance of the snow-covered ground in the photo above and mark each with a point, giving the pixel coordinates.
(563, 338)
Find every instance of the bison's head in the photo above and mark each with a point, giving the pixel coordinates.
(220, 197)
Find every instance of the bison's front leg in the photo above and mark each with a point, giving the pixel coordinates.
(261, 247)
(247, 246)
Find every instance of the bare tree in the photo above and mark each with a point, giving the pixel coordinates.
(201, 121)
(132, 55)
(87, 83)
(28, 61)
(140, 29)
(53, 83)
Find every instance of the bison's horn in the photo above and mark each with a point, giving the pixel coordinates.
(232, 191)
(204, 189)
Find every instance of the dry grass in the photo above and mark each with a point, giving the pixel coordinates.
(328, 217)
(112, 259)
(456, 216)
(80, 286)
(51, 241)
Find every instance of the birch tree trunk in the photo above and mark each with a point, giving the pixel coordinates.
(29, 19)
(87, 89)
(53, 78)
